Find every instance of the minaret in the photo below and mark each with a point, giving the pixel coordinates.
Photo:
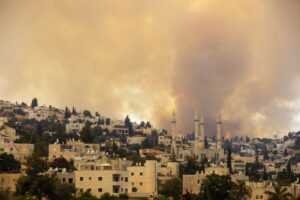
(219, 132)
(196, 121)
(202, 134)
(197, 130)
(173, 133)
(173, 124)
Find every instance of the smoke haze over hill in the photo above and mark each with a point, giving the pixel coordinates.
(148, 58)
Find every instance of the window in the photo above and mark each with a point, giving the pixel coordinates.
(116, 177)
(99, 189)
(81, 178)
(121, 178)
(132, 174)
(126, 179)
(141, 173)
(116, 189)
(99, 178)
(81, 190)
(70, 180)
(141, 183)
(63, 180)
(90, 178)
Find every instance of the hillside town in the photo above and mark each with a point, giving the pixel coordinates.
(54, 153)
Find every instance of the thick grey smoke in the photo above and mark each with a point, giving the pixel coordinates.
(146, 58)
(244, 65)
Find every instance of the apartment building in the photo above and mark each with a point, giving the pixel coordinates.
(135, 140)
(74, 127)
(20, 151)
(74, 149)
(192, 183)
(136, 181)
(165, 140)
(144, 178)
(7, 131)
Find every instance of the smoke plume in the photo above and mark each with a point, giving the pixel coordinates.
(148, 58)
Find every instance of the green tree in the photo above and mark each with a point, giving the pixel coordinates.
(229, 159)
(44, 186)
(216, 187)
(150, 141)
(265, 174)
(107, 121)
(86, 134)
(86, 196)
(74, 112)
(279, 193)
(107, 196)
(87, 113)
(206, 145)
(191, 166)
(148, 125)
(285, 153)
(252, 169)
(134, 189)
(67, 113)
(297, 143)
(123, 197)
(40, 186)
(34, 103)
(27, 197)
(62, 163)
(151, 157)
(64, 191)
(41, 147)
(172, 188)
(8, 163)
(128, 124)
(190, 196)
(142, 124)
(35, 165)
(265, 153)
(6, 194)
(240, 191)
(247, 139)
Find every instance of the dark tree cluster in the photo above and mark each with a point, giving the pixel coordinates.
(192, 166)
(34, 103)
(8, 163)
(68, 113)
(214, 187)
(35, 132)
(128, 125)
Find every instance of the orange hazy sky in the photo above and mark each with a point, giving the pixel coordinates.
(147, 58)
